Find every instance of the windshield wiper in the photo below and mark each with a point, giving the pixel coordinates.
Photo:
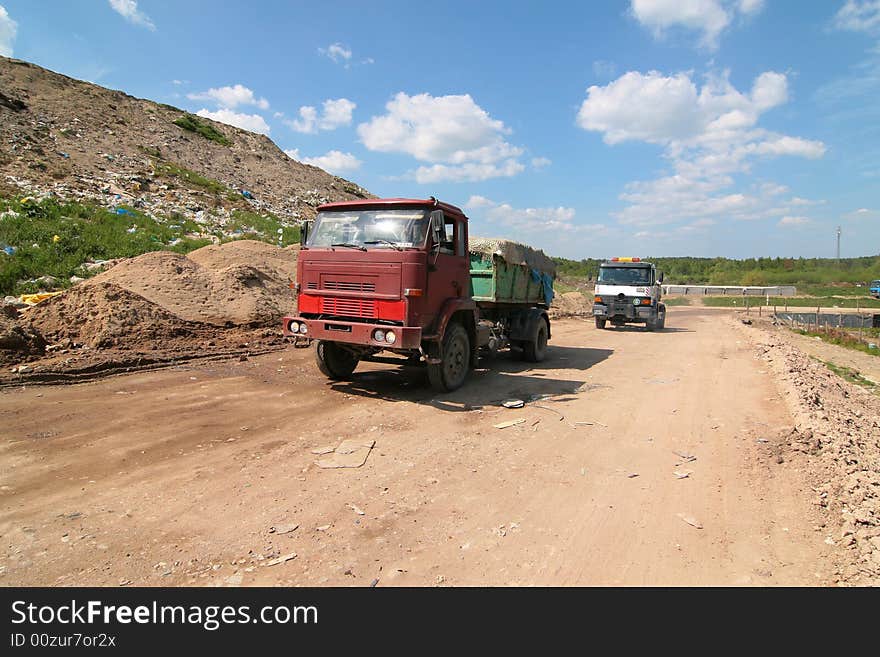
(350, 246)
(381, 241)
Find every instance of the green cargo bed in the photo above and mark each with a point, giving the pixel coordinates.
(494, 280)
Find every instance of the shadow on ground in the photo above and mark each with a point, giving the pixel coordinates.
(504, 377)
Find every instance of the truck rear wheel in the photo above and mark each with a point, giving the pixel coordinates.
(600, 323)
(335, 361)
(451, 372)
(535, 350)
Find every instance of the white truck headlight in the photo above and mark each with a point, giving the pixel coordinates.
(379, 335)
(303, 328)
(293, 327)
(390, 337)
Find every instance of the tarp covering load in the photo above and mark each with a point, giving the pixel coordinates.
(514, 253)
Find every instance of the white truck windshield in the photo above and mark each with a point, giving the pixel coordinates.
(371, 229)
(624, 276)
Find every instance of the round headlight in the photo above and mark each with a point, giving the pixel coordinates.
(390, 337)
(379, 335)
(303, 328)
(293, 327)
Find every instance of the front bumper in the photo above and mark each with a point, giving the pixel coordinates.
(626, 310)
(408, 337)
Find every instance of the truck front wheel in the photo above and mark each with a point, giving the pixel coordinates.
(334, 361)
(600, 323)
(451, 372)
(535, 350)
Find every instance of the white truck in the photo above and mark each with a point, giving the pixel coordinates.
(628, 292)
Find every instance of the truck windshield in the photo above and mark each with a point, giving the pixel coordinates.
(372, 229)
(875, 283)
(624, 275)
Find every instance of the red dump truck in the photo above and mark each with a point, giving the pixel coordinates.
(398, 281)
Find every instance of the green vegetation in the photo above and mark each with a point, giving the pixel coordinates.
(751, 271)
(84, 232)
(738, 301)
(852, 376)
(192, 123)
(263, 227)
(840, 337)
(194, 179)
(676, 301)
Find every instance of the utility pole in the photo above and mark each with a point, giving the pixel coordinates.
(838, 245)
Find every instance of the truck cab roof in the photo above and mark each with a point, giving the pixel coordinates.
(388, 203)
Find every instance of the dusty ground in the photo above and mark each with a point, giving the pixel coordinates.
(179, 476)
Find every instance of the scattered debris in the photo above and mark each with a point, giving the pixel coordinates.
(281, 559)
(693, 522)
(350, 453)
(283, 529)
(513, 403)
(682, 474)
(356, 509)
(510, 423)
(632, 475)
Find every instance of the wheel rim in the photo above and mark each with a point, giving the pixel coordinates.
(456, 360)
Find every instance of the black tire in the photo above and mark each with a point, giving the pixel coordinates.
(600, 323)
(334, 361)
(450, 374)
(535, 350)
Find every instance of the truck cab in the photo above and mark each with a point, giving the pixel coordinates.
(628, 292)
(394, 276)
(875, 289)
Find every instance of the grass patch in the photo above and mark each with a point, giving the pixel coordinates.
(676, 301)
(264, 227)
(841, 338)
(84, 232)
(191, 123)
(793, 302)
(852, 376)
(172, 170)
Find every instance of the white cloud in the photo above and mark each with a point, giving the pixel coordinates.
(455, 136)
(8, 30)
(708, 17)
(128, 9)
(709, 134)
(334, 161)
(231, 97)
(859, 16)
(292, 153)
(467, 172)
(336, 113)
(541, 162)
(862, 214)
(337, 52)
(252, 122)
(788, 221)
(527, 219)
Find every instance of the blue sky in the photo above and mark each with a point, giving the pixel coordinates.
(731, 128)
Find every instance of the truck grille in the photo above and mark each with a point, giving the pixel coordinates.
(350, 286)
(343, 307)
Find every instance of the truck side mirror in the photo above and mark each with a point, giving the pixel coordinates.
(437, 228)
(660, 278)
(304, 230)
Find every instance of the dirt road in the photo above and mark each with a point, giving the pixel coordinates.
(178, 476)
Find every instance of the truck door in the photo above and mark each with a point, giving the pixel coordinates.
(450, 274)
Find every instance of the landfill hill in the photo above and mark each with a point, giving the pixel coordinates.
(80, 141)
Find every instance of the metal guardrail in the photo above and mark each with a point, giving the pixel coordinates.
(732, 290)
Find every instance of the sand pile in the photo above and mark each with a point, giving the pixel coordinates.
(569, 304)
(232, 284)
(105, 315)
(18, 339)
